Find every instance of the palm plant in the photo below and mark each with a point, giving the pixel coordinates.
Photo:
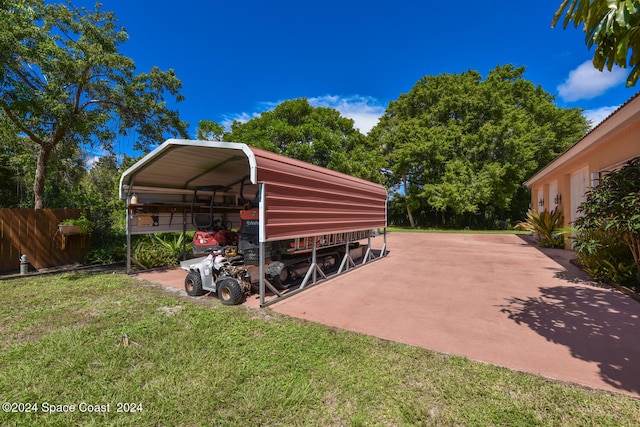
(547, 226)
(159, 250)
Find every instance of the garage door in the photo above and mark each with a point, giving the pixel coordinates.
(553, 195)
(579, 186)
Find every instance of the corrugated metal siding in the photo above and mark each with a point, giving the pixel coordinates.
(302, 199)
(184, 164)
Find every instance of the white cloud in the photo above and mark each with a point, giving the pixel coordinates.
(586, 82)
(91, 161)
(598, 115)
(92, 154)
(241, 117)
(364, 111)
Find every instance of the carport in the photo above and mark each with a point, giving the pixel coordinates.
(293, 200)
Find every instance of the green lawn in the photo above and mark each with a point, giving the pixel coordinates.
(453, 230)
(194, 362)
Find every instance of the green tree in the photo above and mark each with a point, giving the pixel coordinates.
(18, 157)
(209, 131)
(64, 175)
(100, 185)
(318, 135)
(63, 83)
(100, 192)
(458, 145)
(11, 188)
(612, 26)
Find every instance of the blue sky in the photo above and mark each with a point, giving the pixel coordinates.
(237, 59)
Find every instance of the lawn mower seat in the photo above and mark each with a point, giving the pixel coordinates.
(202, 221)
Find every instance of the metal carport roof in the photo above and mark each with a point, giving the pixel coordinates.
(297, 198)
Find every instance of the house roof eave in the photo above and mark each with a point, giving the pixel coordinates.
(624, 116)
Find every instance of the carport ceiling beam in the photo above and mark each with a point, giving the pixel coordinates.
(166, 190)
(212, 168)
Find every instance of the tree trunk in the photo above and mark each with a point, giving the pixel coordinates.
(412, 223)
(41, 172)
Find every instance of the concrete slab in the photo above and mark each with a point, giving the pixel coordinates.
(492, 298)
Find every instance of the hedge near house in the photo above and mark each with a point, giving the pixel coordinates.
(611, 213)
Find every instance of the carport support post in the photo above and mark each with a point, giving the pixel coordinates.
(346, 261)
(261, 262)
(367, 255)
(384, 246)
(314, 268)
(128, 230)
(314, 259)
(311, 272)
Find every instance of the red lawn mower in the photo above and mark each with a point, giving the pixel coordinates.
(211, 234)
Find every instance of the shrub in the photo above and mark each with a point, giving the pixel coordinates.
(547, 226)
(613, 207)
(603, 256)
(159, 250)
(85, 224)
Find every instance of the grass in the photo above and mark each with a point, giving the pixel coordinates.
(457, 231)
(192, 362)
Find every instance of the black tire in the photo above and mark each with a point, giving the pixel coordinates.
(193, 284)
(229, 291)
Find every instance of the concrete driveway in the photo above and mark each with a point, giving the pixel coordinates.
(492, 298)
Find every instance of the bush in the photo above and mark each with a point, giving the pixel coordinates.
(611, 213)
(108, 244)
(159, 250)
(85, 224)
(603, 256)
(547, 226)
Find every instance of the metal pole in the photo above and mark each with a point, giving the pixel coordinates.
(314, 259)
(128, 226)
(184, 234)
(368, 253)
(261, 238)
(384, 246)
(313, 269)
(261, 261)
(345, 259)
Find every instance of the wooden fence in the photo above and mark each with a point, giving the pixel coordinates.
(35, 233)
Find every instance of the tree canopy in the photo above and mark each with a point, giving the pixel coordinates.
(460, 145)
(209, 131)
(318, 135)
(64, 83)
(612, 26)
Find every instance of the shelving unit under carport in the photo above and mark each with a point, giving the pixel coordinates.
(310, 208)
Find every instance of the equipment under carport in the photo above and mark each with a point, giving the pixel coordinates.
(282, 224)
